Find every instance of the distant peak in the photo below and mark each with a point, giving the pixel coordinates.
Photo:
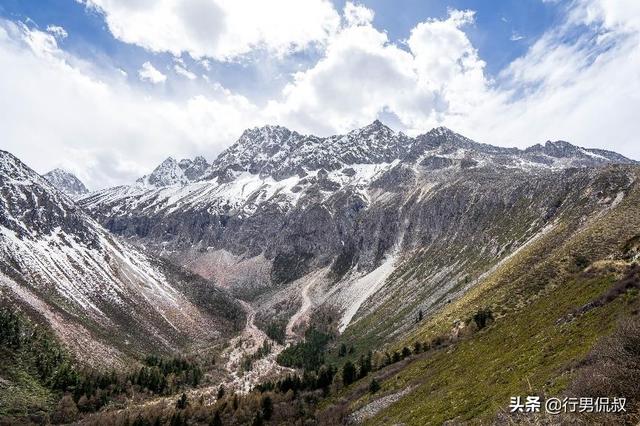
(170, 160)
(442, 130)
(66, 182)
(560, 144)
(376, 126)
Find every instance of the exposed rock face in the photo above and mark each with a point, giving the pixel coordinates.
(194, 169)
(172, 172)
(102, 296)
(361, 205)
(66, 182)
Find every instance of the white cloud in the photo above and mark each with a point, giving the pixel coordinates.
(58, 112)
(363, 74)
(355, 14)
(221, 29)
(184, 72)
(516, 36)
(149, 73)
(585, 90)
(615, 15)
(57, 31)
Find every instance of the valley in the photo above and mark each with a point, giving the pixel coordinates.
(364, 278)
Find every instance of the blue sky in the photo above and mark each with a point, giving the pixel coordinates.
(503, 30)
(108, 88)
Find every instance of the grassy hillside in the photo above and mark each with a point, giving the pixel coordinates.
(543, 327)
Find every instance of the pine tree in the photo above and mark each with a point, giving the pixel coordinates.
(374, 386)
(182, 402)
(267, 407)
(348, 373)
(343, 350)
(257, 421)
(216, 421)
(220, 392)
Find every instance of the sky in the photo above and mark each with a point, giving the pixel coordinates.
(107, 89)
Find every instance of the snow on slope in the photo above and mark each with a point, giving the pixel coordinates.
(272, 163)
(53, 250)
(244, 193)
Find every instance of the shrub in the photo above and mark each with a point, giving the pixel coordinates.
(482, 318)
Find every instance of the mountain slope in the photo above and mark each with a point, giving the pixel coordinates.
(106, 300)
(282, 218)
(551, 302)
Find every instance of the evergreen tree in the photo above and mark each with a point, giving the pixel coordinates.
(374, 386)
(257, 421)
(348, 373)
(220, 392)
(364, 365)
(216, 421)
(177, 420)
(267, 407)
(182, 402)
(406, 352)
(343, 350)
(482, 318)
(234, 404)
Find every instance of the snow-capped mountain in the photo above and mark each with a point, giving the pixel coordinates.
(277, 208)
(104, 298)
(171, 172)
(66, 182)
(274, 151)
(273, 162)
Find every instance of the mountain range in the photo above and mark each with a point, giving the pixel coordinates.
(378, 240)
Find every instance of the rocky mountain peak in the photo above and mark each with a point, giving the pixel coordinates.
(563, 150)
(167, 173)
(194, 169)
(375, 128)
(66, 182)
(31, 205)
(280, 153)
(557, 149)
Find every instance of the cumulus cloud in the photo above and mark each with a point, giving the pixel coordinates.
(57, 31)
(578, 82)
(58, 112)
(363, 74)
(356, 14)
(149, 73)
(583, 89)
(179, 69)
(220, 29)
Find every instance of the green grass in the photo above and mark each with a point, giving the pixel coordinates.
(521, 354)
